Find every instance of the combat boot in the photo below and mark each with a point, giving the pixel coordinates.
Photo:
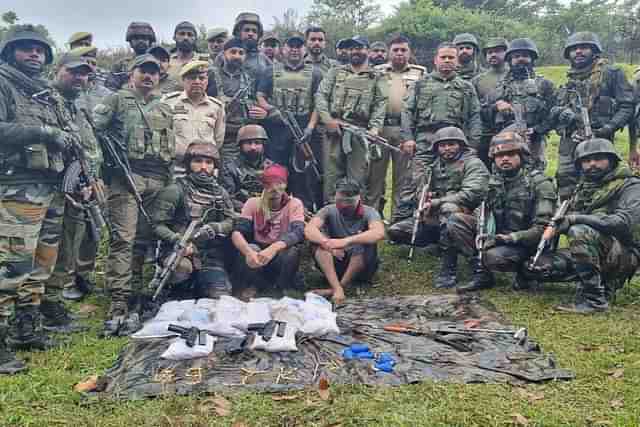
(80, 289)
(56, 318)
(447, 278)
(481, 278)
(9, 365)
(590, 295)
(26, 333)
(522, 283)
(118, 313)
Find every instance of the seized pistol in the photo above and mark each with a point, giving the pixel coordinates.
(191, 336)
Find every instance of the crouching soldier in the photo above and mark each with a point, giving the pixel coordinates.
(346, 234)
(456, 182)
(196, 197)
(266, 234)
(602, 228)
(519, 204)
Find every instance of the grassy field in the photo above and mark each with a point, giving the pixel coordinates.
(603, 350)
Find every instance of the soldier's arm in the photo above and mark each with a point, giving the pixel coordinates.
(623, 94)
(231, 184)
(407, 116)
(104, 112)
(221, 128)
(323, 96)
(225, 227)
(475, 183)
(13, 133)
(473, 122)
(378, 106)
(548, 97)
(545, 200)
(164, 211)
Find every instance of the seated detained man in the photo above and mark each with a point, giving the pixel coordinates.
(201, 274)
(266, 234)
(346, 234)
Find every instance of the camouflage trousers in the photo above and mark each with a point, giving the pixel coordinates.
(131, 235)
(588, 246)
(433, 229)
(30, 232)
(401, 173)
(338, 164)
(461, 231)
(78, 250)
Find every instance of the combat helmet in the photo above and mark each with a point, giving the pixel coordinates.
(449, 133)
(525, 44)
(583, 37)
(199, 148)
(508, 141)
(186, 25)
(251, 132)
(495, 42)
(466, 38)
(248, 18)
(140, 29)
(595, 146)
(25, 32)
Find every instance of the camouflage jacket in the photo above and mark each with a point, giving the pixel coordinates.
(242, 180)
(486, 83)
(470, 70)
(323, 65)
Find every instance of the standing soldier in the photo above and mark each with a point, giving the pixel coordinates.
(196, 116)
(342, 51)
(597, 86)
(248, 28)
(602, 228)
(216, 38)
(33, 138)
(315, 39)
(167, 83)
(141, 37)
(80, 39)
(185, 36)
(455, 183)
(399, 75)
(138, 121)
(354, 93)
(519, 205)
(95, 90)
(270, 46)
(232, 85)
(532, 94)
(468, 50)
(377, 54)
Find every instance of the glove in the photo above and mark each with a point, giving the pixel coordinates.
(306, 136)
(505, 239)
(566, 117)
(206, 234)
(55, 138)
(605, 132)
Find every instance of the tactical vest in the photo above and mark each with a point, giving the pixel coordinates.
(250, 181)
(447, 177)
(234, 116)
(439, 102)
(292, 90)
(353, 95)
(529, 94)
(148, 129)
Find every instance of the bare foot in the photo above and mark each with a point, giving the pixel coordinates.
(323, 292)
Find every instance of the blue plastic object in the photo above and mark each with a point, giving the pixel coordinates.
(359, 348)
(384, 367)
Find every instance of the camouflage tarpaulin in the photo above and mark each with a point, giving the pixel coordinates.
(453, 357)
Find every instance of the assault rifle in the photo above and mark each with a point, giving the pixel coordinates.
(587, 132)
(425, 199)
(373, 139)
(550, 231)
(302, 146)
(482, 234)
(520, 122)
(238, 101)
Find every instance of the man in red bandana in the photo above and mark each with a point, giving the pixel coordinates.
(346, 234)
(266, 234)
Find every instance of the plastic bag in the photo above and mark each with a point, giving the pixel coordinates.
(179, 350)
(318, 316)
(276, 343)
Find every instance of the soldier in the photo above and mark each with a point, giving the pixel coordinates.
(519, 205)
(602, 228)
(191, 197)
(270, 46)
(95, 90)
(534, 94)
(457, 183)
(248, 28)
(216, 38)
(80, 39)
(141, 123)
(291, 88)
(315, 40)
(342, 52)
(346, 234)
(167, 83)
(141, 37)
(232, 85)
(267, 233)
(439, 100)
(603, 90)
(185, 36)
(196, 116)
(242, 176)
(399, 75)
(377, 54)
(33, 139)
(353, 93)
(468, 50)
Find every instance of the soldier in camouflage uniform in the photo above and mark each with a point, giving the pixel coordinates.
(31, 165)
(399, 75)
(519, 204)
(270, 46)
(185, 35)
(241, 177)
(357, 94)
(602, 228)
(291, 88)
(137, 119)
(80, 39)
(141, 37)
(216, 38)
(378, 54)
(534, 94)
(167, 83)
(226, 83)
(315, 40)
(342, 52)
(457, 182)
(604, 92)
(95, 90)
(468, 51)
(202, 273)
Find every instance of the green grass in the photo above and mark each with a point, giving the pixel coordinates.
(597, 348)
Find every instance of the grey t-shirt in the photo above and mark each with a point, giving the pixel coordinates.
(337, 227)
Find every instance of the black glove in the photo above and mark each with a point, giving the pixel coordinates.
(605, 132)
(566, 117)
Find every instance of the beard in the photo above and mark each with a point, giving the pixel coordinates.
(521, 71)
(377, 61)
(185, 45)
(251, 45)
(358, 59)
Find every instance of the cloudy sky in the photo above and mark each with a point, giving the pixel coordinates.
(108, 19)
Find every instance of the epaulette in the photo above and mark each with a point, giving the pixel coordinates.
(171, 95)
(382, 68)
(216, 100)
(418, 67)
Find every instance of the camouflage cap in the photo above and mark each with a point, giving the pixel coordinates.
(466, 38)
(85, 51)
(80, 35)
(217, 32)
(507, 141)
(73, 62)
(378, 45)
(595, 146)
(270, 36)
(146, 58)
(495, 42)
(194, 67)
(159, 53)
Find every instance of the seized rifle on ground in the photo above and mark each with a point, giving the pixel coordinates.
(115, 158)
(301, 145)
(373, 139)
(550, 231)
(191, 336)
(457, 342)
(482, 233)
(425, 199)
